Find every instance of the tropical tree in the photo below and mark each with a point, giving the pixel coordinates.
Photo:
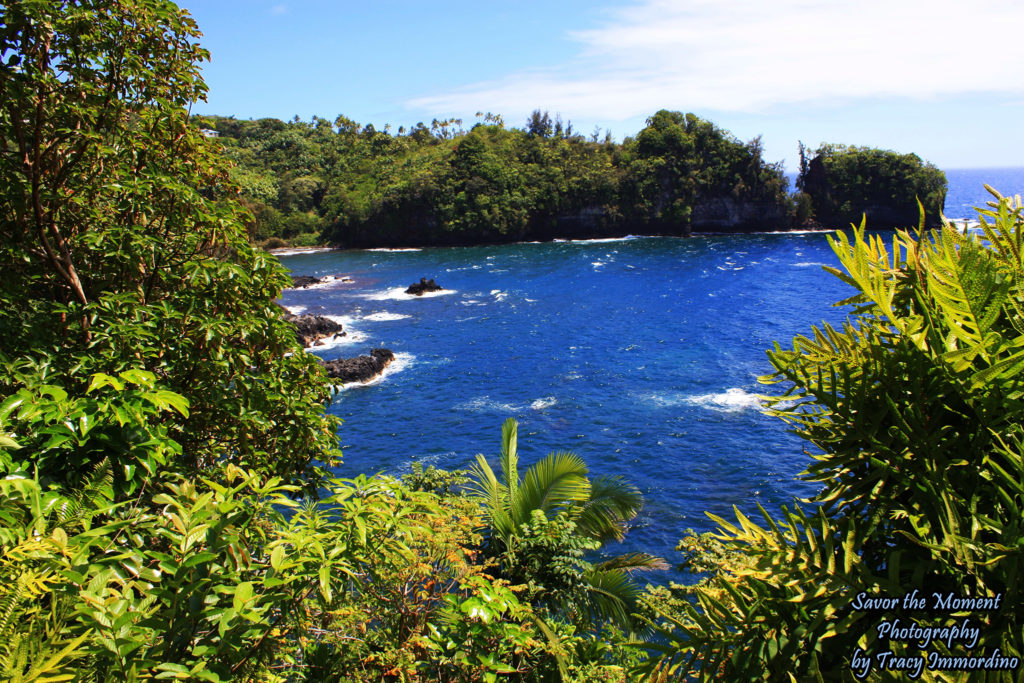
(541, 526)
(122, 250)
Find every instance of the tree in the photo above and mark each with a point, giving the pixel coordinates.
(915, 411)
(122, 251)
(539, 124)
(540, 525)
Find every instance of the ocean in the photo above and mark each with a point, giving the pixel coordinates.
(641, 355)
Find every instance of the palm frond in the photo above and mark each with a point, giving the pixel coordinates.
(558, 479)
(612, 596)
(631, 562)
(489, 492)
(611, 504)
(510, 456)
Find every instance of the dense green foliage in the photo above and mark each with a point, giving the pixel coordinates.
(356, 186)
(115, 258)
(841, 185)
(540, 526)
(915, 409)
(161, 433)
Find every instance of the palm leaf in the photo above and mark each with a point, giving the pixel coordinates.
(611, 504)
(493, 498)
(557, 480)
(612, 596)
(632, 562)
(510, 456)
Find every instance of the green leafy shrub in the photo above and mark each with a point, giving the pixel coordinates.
(541, 524)
(120, 251)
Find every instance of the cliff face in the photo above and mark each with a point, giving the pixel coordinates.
(715, 214)
(727, 214)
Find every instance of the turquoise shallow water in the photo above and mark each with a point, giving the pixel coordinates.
(641, 355)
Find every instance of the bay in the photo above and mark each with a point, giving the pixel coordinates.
(641, 355)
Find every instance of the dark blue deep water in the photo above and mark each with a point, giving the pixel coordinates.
(641, 355)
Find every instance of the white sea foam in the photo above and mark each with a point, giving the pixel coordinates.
(295, 310)
(542, 403)
(481, 404)
(603, 240)
(401, 362)
(343, 320)
(326, 282)
(397, 249)
(809, 264)
(729, 401)
(499, 295)
(385, 316)
(299, 250)
(351, 336)
(597, 264)
(486, 404)
(398, 294)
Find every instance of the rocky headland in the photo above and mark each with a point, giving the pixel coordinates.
(313, 329)
(361, 368)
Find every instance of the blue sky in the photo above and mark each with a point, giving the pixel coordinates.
(941, 78)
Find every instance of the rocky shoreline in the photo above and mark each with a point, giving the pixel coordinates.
(311, 330)
(304, 281)
(360, 368)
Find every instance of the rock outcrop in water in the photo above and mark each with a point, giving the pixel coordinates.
(423, 286)
(303, 281)
(361, 368)
(311, 329)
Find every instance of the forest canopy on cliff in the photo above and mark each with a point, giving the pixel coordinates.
(353, 185)
(350, 185)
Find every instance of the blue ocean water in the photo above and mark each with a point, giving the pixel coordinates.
(967, 188)
(641, 355)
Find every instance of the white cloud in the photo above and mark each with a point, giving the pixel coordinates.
(750, 55)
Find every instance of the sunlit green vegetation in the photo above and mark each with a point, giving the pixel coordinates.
(165, 504)
(840, 184)
(353, 185)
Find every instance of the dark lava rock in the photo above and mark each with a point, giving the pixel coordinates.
(360, 369)
(304, 280)
(424, 285)
(312, 328)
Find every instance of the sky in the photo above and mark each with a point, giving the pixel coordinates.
(940, 78)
